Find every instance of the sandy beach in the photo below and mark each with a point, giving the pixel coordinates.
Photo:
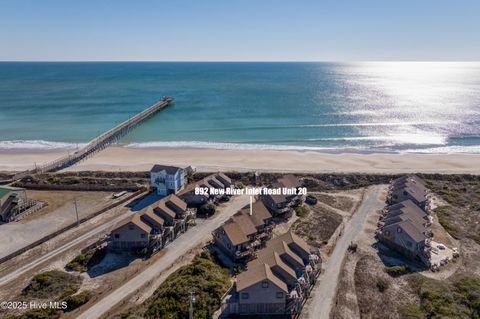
(119, 158)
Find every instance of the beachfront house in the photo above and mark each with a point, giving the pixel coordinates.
(154, 226)
(195, 199)
(166, 180)
(281, 204)
(277, 282)
(406, 228)
(409, 187)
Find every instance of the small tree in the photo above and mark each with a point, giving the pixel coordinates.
(207, 209)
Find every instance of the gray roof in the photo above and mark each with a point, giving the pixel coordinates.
(171, 170)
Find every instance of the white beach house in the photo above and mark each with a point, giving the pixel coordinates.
(167, 179)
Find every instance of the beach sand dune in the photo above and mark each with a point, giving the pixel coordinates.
(118, 158)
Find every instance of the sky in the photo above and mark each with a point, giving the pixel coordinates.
(242, 30)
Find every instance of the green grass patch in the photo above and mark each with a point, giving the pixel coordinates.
(84, 262)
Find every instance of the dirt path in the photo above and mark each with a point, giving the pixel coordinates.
(324, 294)
(176, 250)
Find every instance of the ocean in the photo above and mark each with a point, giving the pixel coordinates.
(425, 107)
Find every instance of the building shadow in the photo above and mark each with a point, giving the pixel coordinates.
(112, 261)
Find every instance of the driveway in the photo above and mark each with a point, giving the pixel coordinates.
(176, 249)
(324, 294)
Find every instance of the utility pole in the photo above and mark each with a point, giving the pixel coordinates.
(76, 210)
(192, 301)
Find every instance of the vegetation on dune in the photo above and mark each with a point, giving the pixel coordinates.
(75, 301)
(397, 270)
(52, 284)
(48, 313)
(300, 211)
(87, 260)
(207, 209)
(461, 216)
(459, 298)
(208, 280)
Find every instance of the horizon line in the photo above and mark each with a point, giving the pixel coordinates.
(234, 61)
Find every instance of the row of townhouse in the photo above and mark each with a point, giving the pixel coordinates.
(405, 225)
(193, 199)
(245, 232)
(282, 205)
(154, 226)
(277, 282)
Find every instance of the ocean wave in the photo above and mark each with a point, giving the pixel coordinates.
(38, 145)
(233, 146)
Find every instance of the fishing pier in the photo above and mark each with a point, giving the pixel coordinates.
(100, 142)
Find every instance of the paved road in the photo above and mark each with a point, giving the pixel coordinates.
(35, 263)
(324, 294)
(176, 249)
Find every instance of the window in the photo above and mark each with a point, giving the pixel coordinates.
(265, 284)
(279, 294)
(245, 295)
(117, 236)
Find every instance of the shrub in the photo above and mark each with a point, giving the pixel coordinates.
(300, 211)
(84, 262)
(239, 185)
(209, 281)
(410, 311)
(52, 284)
(397, 270)
(75, 301)
(382, 284)
(207, 209)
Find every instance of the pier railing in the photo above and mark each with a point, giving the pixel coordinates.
(99, 143)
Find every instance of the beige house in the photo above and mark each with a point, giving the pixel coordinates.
(260, 292)
(409, 187)
(405, 227)
(242, 234)
(152, 227)
(279, 279)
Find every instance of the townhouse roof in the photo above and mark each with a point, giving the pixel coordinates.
(259, 213)
(281, 247)
(245, 224)
(272, 258)
(411, 184)
(234, 233)
(148, 211)
(176, 201)
(409, 228)
(258, 272)
(163, 207)
(224, 179)
(134, 219)
(170, 170)
(289, 237)
(289, 181)
(405, 203)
